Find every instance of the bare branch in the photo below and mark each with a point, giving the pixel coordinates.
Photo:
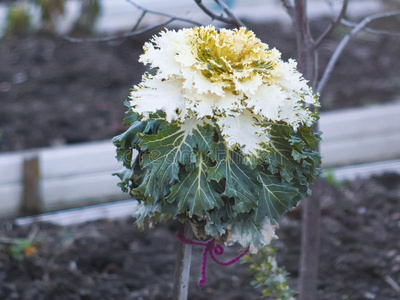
(369, 29)
(158, 13)
(231, 19)
(332, 26)
(136, 26)
(343, 43)
(289, 7)
(134, 31)
(209, 13)
(389, 280)
(230, 14)
(115, 38)
(139, 21)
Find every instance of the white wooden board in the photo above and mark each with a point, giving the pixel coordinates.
(360, 135)
(124, 209)
(109, 211)
(81, 174)
(348, 173)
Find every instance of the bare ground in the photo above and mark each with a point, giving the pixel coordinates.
(360, 254)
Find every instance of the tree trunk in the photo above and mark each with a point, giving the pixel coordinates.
(310, 239)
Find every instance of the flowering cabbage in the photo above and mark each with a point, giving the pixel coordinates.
(222, 133)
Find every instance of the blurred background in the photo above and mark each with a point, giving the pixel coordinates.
(54, 92)
(62, 102)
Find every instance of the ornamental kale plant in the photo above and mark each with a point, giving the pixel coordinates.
(220, 135)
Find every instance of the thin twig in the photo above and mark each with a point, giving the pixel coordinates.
(389, 280)
(343, 43)
(139, 21)
(348, 23)
(134, 31)
(153, 12)
(119, 37)
(332, 25)
(211, 14)
(33, 232)
(369, 29)
(289, 7)
(230, 14)
(229, 20)
(135, 27)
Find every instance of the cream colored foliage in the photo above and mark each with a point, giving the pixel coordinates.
(267, 232)
(242, 131)
(230, 77)
(267, 101)
(156, 94)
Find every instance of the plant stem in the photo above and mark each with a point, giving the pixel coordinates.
(182, 265)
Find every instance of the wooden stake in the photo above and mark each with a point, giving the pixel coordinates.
(182, 265)
(31, 201)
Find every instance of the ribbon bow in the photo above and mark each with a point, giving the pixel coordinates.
(213, 249)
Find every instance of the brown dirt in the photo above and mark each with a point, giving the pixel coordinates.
(112, 260)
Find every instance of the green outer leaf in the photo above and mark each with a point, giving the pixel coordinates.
(217, 219)
(148, 211)
(148, 187)
(245, 226)
(280, 159)
(194, 193)
(239, 182)
(170, 147)
(130, 115)
(127, 142)
(192, 173)
(124, 175)
(276, 197)
(310, 137)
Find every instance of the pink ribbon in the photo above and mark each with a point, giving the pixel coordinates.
(212, 249)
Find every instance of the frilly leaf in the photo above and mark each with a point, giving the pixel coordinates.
(194, 193)
(239, 177)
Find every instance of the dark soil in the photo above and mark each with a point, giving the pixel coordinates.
(360, 253)
(53, 92)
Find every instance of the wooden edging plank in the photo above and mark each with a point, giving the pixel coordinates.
(349, 173)
(69, 192)
(81, 174)
(380, 147)
(120, 209)
(123, 209)
(70, 160)
(31, 201)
